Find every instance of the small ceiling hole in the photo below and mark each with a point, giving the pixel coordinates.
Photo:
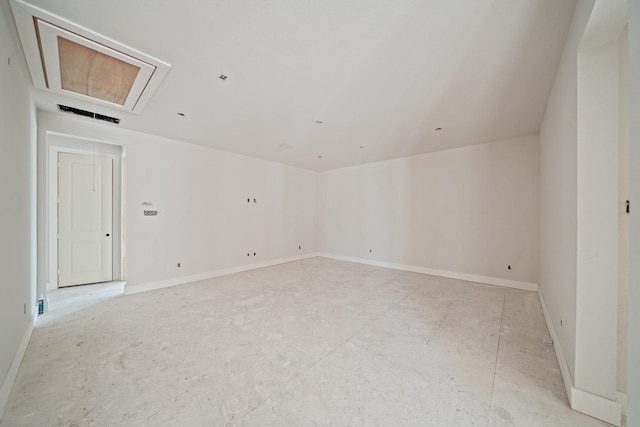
(438, 128)
(181, 114)
(222, 77)
(319, 157)
(319, 122)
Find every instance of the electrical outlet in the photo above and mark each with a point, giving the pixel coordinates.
(300, 247)
(178, 264)
(508, 267)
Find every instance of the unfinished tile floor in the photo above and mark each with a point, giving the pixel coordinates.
(313, 342)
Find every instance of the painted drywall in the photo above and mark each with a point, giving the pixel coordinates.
(623, 217)
(469, 210)
(633, 376)
(17, 210)
(373, 71)
(204, 221)
(597, 234)
(558, 193)
(579, 209)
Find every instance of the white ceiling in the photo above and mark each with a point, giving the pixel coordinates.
(379, 74)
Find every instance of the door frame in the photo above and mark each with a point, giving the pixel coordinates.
(64, 143)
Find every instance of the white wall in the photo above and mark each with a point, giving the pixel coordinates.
(17, 209)
(579, 209)
(597, 255)
(558, 193)
(204, 220)
(633, 377)
(469, 210)
(623, 217)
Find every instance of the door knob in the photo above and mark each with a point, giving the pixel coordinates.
(107, 234)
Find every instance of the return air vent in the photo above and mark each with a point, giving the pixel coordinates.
(85, 113)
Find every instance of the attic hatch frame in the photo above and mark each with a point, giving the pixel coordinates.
(39, 31)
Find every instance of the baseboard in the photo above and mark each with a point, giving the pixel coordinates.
(144, 287)
(622, 400)
(581, 400)
(596, 406)
(567, 378)
(10, 378)
(527, 286)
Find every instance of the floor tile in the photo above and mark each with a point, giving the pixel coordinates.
(311, 342)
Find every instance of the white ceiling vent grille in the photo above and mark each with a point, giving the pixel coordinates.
(70, 60)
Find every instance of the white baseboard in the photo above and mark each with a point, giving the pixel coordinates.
(596, 406)
(622, 400)
(10, 378)
(581, 400)
(567, 378)
(527, 286)
(134, 289)
(144, 287)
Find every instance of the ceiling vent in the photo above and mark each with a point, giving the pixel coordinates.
(70, 60)
(85, 113)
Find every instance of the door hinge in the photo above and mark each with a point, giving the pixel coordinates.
(628, 206)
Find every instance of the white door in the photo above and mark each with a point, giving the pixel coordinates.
(85, 189)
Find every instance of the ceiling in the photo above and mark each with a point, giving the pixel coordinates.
(380, 75)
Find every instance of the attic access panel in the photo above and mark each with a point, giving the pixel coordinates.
(77, 66)
(70, 60)
(91, 73)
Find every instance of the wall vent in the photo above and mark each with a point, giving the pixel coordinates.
(85, 113)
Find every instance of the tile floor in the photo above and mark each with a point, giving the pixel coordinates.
(313, 342)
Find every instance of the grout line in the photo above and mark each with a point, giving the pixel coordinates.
(495, 369)
(370, 323)
(295, 377)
